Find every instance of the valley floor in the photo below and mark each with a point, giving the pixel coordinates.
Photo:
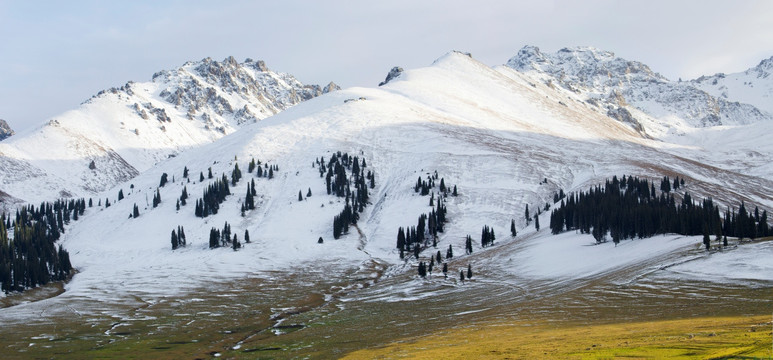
(379, 311)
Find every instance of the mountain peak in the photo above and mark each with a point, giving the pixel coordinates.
(5, 130)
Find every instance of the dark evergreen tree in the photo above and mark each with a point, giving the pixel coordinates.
(201, 176)
(136, 211)
(164, 180)
(308, 193)
(536, 223)
(513, 231)
(445, 270)
(235, 244)
(526, 215)
(300, 196)
(175, 243)
(209, 173)
(469, 271)
(185, 172)
(120, 195)
(450, 252)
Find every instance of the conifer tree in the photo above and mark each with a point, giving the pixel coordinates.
(469, 271)
(455, 193)
(120, 195)
(209, 174)
(536, 223)
(246, 236)
(201, 176)
(445, 270)
(513, 232)
(175, 243)
(300, 196)
(526, 215)
(308, 193)
(164, 180)
(185, 172)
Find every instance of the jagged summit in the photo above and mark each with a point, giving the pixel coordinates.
(601, 77)
(128, 129)
(752, 86)
(5, 130)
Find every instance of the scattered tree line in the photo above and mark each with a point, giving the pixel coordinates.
(339, 182)
(178, 238)
(213, 196)
(630, 207)
(30, 258)
(416, 238)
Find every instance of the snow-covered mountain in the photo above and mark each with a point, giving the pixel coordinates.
(623, 87)
(123, 131)
(753, 86)
(503, 139)
(5, 130)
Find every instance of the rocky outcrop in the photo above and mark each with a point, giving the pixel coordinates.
(5, 130)
(395, 72)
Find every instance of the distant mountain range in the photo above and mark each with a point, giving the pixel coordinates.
(126, 130)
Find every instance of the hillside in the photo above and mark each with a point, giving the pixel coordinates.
(121, 132)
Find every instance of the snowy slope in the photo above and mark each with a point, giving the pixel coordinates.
(753, 86)
(127, 130)
(493, 132)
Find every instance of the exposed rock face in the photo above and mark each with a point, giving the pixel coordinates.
(395, 72)
(125, 130)
(601, 75)
(5, 130)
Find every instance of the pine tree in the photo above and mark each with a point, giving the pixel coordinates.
(136, 211)
(209, 174)
(174, 240)
(201, 176)
(513, 232)
(185, 172)
(235, 243)
(445, 270)
(469, 271)
(536, 223)
(300, 196)
(308, 193)
(526, 215)
(450, 252)
(120, 195)
(455, 193)
(164, 180)
(461, 275)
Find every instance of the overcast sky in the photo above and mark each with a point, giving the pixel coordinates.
(54, 55)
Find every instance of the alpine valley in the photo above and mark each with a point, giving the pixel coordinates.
(235, 212)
